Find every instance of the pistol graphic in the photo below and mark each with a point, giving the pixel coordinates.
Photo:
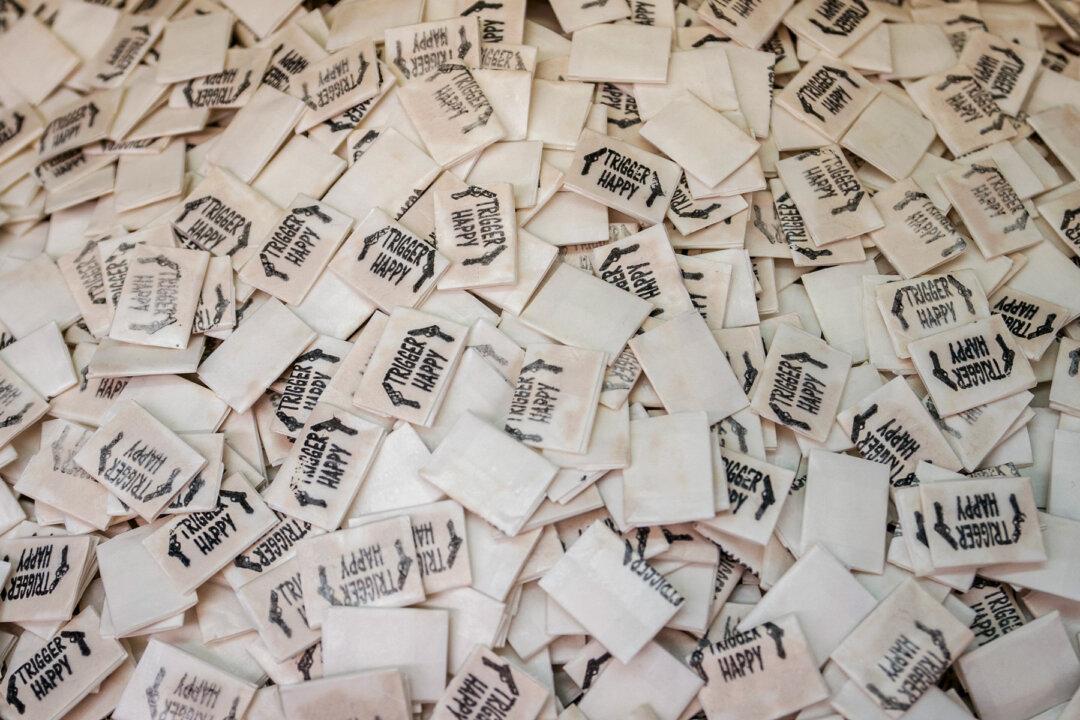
(740, 433)
(431, 331)
(920, 528)
(306, 661)
(858, 423)
(291, 424)
(786, 418)
(17, 417)
(304, 499)
(939, 372)
(851, 205)
(910, 196)
(655, 190)
(520, 436)
(710, 38)
(703, 213)
(153, 693)
(404, 564)
(106, 452)
(504, 672)
(485, 259)
(768, 497)
(454, 546)
(275, 615)
(399, 61)
(333, 424)
(324, 588)
(616, 254)
(313, 211)
(593, 668)
(176, 551)
(1045, 329)
(480, 5)
(1008, 355)
(396, 397)
(777, 634)
(1018, 517)
(538, 364)
(941, 528)
(465, 46)
(809, 252)
(246, 563)
(472, 191)
(317, 354)
(592, 157)
(805, 357)
(237, 497)
(481, 121)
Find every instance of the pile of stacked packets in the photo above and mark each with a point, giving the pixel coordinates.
(539, 360)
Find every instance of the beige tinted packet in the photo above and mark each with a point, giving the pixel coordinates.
(411, 366)
(442, 543)
(622, 176)
(45, 579)
(157, 302)
(758, 674)
(902, 648)
(138, 459)
(801, 383)
(924, 306)
(831, 199)
(476, 230)
(971, 365)
(388, 264)
(193, 547)
(891, 427)
(297, 249)
(490, 473)
(275, 602)
(975, 523)
(20, 405)
(167, 679)
(384, 693)
(53, 674)
(601, 571)
(555, 397)
(320, 478)
(371, 565)
(490, 685)
(451, 113)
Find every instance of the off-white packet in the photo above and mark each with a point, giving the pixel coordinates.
(167, 676)
(762, 673)
(555, 397)
(902, 648)
(412, 640)
(975, 523)
(192, 548)
(138, 459)
(320, 478)
(677, 448)
(48, 677)
(371, 565)
(385, 692)
(601, 571)
(253, 356)
(275, 603)
(490, 473)
(491, 684)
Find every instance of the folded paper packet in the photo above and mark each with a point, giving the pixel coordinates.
(616, 360)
